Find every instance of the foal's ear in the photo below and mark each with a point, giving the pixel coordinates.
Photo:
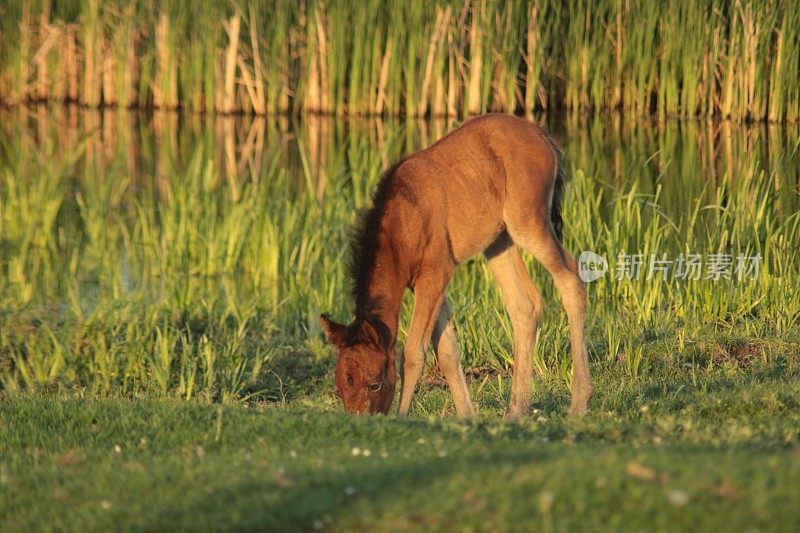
(334, 332)
(371, 333)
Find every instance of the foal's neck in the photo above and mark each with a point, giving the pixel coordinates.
(384, 294)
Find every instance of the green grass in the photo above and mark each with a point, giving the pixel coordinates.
(691, 450)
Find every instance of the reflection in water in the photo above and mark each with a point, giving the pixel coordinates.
(684, 157)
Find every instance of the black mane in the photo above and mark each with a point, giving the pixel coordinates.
(364, 246)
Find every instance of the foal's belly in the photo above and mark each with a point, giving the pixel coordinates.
(472, 228)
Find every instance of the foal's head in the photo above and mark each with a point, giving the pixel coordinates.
(365, 372)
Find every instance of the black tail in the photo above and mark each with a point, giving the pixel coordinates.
(558, 192)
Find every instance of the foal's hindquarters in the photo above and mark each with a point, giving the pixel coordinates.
(495, 181)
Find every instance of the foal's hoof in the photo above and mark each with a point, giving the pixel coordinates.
(514, 416)
(577, 410)
(580, 400)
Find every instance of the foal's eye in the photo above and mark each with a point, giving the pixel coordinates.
(350, 380)
(375, 387)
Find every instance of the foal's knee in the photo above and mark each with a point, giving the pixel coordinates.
(448, 358)
(573, 292)
(413, 363)
(524, 307)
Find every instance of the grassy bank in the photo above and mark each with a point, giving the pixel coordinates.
(729, 58)
(693, 450)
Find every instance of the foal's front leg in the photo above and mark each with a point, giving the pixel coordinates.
(445, 344)
(428, 296)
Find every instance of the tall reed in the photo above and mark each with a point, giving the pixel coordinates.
(730, 58)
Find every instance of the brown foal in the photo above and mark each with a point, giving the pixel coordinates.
(494, 185)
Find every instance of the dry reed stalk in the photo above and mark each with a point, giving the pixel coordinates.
(510, 89)
(91, 86)
(372, 90)
(748, 81)
(131, 74)
(475, 57)
(584, 91)
(322, 58)
(165, 89)
(286, 89)
(232, 28)
(71, 65)
(260, 101)
(5, 90)
(21, 93)
(49, 36)
(162, 27)
(728, 82)
(702, 84)
(383, 78)
(128, 70)
(283, 99)
(218, 87)
(438, 108)
(616, 96)
(497, 100)
(777, 76)
(250, 85)
(715, 103)
(442, 18)
(108, 74)
(422, 100)
(46, 39)
(452, 82)
(59, 90)
(312, 85)
(531, 59)
(497, 86)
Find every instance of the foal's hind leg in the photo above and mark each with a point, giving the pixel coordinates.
(540, 240)
(445, 344)
(428, 297)
(523, 304)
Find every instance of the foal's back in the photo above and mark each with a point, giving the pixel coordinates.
(468, 187)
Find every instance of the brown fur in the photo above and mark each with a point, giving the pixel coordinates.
(493, 185)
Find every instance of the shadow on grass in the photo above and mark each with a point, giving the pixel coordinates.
(295, 374)
(324, 498)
